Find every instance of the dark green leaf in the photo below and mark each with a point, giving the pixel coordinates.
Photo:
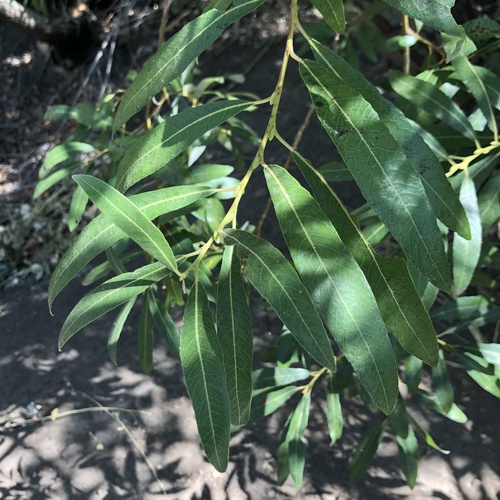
(333, 13)
(276, 280)
(443, 390)
(386, 178)
(201, 358)
(398, 419)
(489, 203)
(428, 438)
(408, 456)
(166, 327)
(176, 55)
(337, 286)
(264, 404)
(146, 334)
(413, 373)
(116, 330)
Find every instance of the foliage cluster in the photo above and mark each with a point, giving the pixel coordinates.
(367, 297)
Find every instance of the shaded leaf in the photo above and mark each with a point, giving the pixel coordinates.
(203, 370)
(116, 329)
(409, 455)
(166, 327)
(110, 294)
(78, 204)
(146, 334)
(333, 13)
(428, 438)
(266, 403)
(276, 280)
(443, 390)
(337, 286)
(398, 419)
(63, 152)
(489, 202)
(47, 182)
(176, 55)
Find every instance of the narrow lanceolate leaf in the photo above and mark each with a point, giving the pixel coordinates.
(433, 100)
(78, 204)
(366, 451)
(234, 328)
(276, 280)
(62, 153)
(295, 436)
(101, 233)
(398, 300)
(166, 327)
(266, 403)
(109, 295)
(484, 374)
(489, 202)
(333, 13)
(116, 330)
(276, 377)
(167, 140)
(466, 252)
(333, 411)
(380, 168)
(442, 198)
(176, 55)
(146, 334)
(201, 359)
(408, 456)
(443, 390)
(337, 286)
(125, 214)
(470, 75)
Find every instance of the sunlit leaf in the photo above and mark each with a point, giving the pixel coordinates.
(234, 328)
(337, 286)
(333, 411)
(266, 403)
(276, 377)
(78, 204)
(380, 168)
(203, 370)
(276, 280)
(176, 55)
(443, 390)
(333, 13)
(63, 152)
(428, 438)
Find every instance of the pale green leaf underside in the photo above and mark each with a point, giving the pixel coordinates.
(203, 370)
(381, 170)
(176, 55)
(234, 328)
(337, 286)
(167, 140)
(101, 233)
(276, 280)
(109, 295)
(442, 197)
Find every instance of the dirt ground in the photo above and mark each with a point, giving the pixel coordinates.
(122, 434)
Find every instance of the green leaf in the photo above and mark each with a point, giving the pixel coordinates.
(461, 308)
(380, 168)
(63, 152)
(456, 414)
(409, 455)
(176, 55)
(201, 358)
(146, 334)
(167, 140)
(276, 280)
(426, 96)
(166, 327)
(128, 217)
(234, 328)
(366, 451)
(489, 203)
(333, 13)
(338, 288)
(398, 419)
(442, 198)
(428, 438)
(276, 377)
(116, 329)
(435, 14)
(466, 252)
(101, 233)
(282, 454)
(335, 172)
(109, 295)
(264, 404)
(295, 434)
(78, 204)
(333, 411)
(482, 28)
(443, 390)
(486, 375)
(398, 301)
(490, 352)
(48, 181)
(413, 373)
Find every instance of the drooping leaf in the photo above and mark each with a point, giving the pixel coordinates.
(167, 140)
(125, 214)
(443, 390)
(48, 181)
(466, 252)
(442, 198)
(101, 233)
(166, 327)
(264, 404)
(428, 438)
(413, 373)
(489, 202)
(276, 280)
(380, 168)
(337, 286)
(398, 301)
(333, 411)
(485, 374)
(333, 13)
(282, 454)
(146, 334)
(398, 419)
(176, 55)
(433, 100)
(63, 152)
(116, 329)
(277, 377)
(78, 204)
(234, 328)
(296, 446)
(110, 294)
(366, 451)
(408, 456)
(203, 370)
